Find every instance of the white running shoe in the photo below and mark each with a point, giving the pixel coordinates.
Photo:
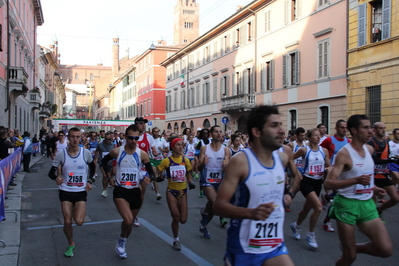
(328, 227)
(136, 222)
(104, 194)
(295, 231)
(120, 248)
(312, 242)
(159, 197)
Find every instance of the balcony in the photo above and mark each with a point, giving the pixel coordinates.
(238, 103)
(18, 81)
(45, 111)
(34, 100)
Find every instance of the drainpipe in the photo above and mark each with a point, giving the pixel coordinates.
(8, 65)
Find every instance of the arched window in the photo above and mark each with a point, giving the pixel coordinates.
(176, 127)
(169, 127)
(206, 124)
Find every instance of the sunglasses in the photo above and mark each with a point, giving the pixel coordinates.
(107, 139)
(133, 138)
(61, 136)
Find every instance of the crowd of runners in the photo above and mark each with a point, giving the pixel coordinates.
(251, 178)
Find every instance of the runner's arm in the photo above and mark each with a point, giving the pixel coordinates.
(146, 161)
(111, 155)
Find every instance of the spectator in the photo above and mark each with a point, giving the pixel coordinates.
(5, 144)
(27, 151)
(19, 141)
(52, 143)
(43, 144)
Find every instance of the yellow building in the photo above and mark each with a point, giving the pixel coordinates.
(373, 60)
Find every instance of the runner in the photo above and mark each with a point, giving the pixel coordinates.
(322, 129)
(381, 171)
(235, 146)
(189, 152)
(178, 169)
(145, 143)
(160, 144)
(394, 148)
(252, 194)
(72, 177)
(61, 144)
(298, 143)
(212, 160)
(333, 144)
(102, 150)
(127, 191)
(92, 145)
(352, 176)
(315, 163)
(203, 139)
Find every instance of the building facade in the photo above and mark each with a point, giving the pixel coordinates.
(373, 60)
(280, 52)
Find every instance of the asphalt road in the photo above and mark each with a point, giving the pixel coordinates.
(43, 241)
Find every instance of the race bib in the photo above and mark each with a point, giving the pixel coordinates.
(316, 170)
(75, 179)
(214, 175)
(190, 155)
(178, 173)
(365, 189)
(381, 169)
(92, 151)
(129, 178)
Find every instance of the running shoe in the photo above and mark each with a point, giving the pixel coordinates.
(196, 176)
(159, 197)
(295, 231)
(312, 242)
(204, 218)
(152, 186)
(104, 194)
(176, 245)
(328, 227)
(204, 232)
(136, 222)
(223, 222)
(120, 248)
(69, 251)
(201, 193)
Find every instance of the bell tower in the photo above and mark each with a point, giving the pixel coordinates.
(186, 21)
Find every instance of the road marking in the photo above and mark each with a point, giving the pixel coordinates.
(34, 189)
(184, 250)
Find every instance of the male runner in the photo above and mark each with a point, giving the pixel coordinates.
(160, 144)
(298, 143)
(212, 160)
(352, 176)
(381, 160)
(127, 191)
(102, 150)
(252, 194)
(322, 129)
(394, 148)
(72, 165)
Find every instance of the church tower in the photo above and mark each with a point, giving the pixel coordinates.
(186, 21)
(115, 57)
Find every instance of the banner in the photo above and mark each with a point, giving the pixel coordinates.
(88, 122)
(35, 148)
(9, 166)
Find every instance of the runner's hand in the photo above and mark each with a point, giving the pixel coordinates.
(88, 187)
(263, 211)
(380, 191)
(363, 179)
(191, 185)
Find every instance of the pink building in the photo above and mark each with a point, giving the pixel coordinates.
(280, 52)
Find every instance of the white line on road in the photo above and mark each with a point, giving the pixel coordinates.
(184, 250)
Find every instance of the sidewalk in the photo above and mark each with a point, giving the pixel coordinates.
(10, 229)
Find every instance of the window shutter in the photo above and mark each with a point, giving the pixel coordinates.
(252, 31)
(286, 11)
(285, 83)
(222, 87)
(227, 85)
(298, 9)
(242, 35)
(296, 80)
(386, 19)
(271, 75)
(228, 42)
(215, 89)
(244, 77)
(221, 46)
(362, 25)
(234, 84)
(251, 81)
(262, 77)
(203, 93)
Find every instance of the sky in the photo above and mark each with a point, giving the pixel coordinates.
(84, 28)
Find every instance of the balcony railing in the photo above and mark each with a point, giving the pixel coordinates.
(240, 102)
(44, 111)
(18, 79)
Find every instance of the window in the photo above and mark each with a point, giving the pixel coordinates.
(324, 117)
(175, 101)
(76, 76)
(226, 43)
(293, 119)
(373, 103)
(192, 95)
(183, 100)
(208, 53)
(197, 64)
(323, 59)
(248, 81)
(291, 69)
(267, 76)
(206, 93)
(323, 2)
(191, 62)
(292, 10)
(267, 21)
(188, 25)
(250, 31)
(224, 86)
(1, 38)
(91, 76)
(197, 94)
(215, 49)
(237, 84)
(149, 107)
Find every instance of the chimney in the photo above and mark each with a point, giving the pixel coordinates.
(161, 42)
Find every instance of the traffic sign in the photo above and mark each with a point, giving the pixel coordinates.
(149, 123)
(225, 119)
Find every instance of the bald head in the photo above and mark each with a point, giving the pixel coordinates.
(379, 129)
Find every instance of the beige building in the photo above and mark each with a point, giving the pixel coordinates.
(373, 62)
(280, 52)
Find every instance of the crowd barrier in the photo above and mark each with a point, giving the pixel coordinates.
(8, 168)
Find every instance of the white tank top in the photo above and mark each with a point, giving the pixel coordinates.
(189, 151)
(313, 164)
(128, 174)
(213, 172)
(263, 185)
(394, 148)
(298, 161)
(75, 172)
(360, 166)
(61, 146)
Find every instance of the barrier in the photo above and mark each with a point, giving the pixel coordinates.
(8, 168)
(35, 147)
